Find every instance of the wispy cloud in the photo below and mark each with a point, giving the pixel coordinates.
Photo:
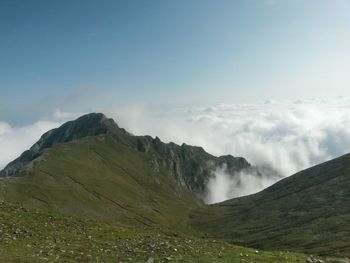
(60, 115)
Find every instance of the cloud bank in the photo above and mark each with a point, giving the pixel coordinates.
(287, 137)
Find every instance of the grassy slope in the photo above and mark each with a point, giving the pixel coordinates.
(33, 236)
(307, 212)
(98, 178)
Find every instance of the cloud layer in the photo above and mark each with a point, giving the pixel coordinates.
(286, 136)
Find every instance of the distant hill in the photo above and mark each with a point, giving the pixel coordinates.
(309, 212)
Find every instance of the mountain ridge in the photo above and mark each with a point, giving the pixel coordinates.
(192, 166)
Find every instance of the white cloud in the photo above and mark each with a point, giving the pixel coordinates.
(222, 186)
(285, 136)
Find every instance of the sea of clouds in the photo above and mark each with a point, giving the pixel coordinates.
(287, 137)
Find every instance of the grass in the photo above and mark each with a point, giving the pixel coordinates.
(98, 178)
(36, 236)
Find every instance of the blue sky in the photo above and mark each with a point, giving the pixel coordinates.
(83, 55)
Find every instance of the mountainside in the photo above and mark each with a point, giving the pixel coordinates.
(91, 168)
(307, 212)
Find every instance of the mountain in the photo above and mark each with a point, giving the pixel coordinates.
(91, 168)
(89, 191)
(306, 212)
(102, 192)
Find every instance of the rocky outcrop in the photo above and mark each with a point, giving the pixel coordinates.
(192, 166)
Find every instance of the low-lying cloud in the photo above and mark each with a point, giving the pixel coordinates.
(287, 137)
(223, 186)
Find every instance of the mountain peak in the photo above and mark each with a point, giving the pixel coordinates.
(92, 124)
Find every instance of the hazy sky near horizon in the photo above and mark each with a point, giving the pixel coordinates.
(85, 55)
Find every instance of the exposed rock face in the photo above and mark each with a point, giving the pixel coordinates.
(190, 165)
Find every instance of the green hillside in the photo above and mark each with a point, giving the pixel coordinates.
(98, 178)
(36, 236)
(306, 212)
